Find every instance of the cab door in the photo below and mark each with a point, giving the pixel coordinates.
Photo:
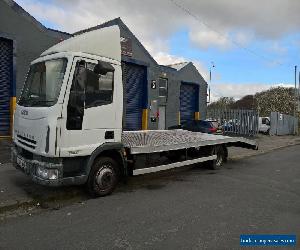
(92, 112)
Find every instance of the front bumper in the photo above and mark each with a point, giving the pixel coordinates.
(30, 168)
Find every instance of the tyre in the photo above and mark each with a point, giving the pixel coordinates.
(103, 177)
(221, 157)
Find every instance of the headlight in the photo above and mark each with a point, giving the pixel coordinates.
(48, 174)
(52, 174)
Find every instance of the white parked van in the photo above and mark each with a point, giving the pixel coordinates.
(264, 125)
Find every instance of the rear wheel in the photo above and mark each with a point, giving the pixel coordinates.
(221, 157)
(103, 177)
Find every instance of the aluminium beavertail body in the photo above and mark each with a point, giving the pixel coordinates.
(152, 141)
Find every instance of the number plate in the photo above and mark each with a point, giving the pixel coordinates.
(21, 163)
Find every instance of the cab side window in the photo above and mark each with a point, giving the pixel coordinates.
(75, 109)
(99, 87)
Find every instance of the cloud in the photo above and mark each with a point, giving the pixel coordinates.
(153, 32)
(237, 91)
(166, 59)
(205, 38)
(278, 49)
(269, 19)
(154, 22)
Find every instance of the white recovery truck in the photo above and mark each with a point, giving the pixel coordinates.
(68, 121)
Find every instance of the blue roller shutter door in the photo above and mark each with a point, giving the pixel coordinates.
(6, 66)
(188, 101)
(135, 79)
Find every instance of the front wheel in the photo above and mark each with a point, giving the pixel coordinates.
(103, 177)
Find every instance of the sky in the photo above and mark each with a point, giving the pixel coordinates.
(248, 45)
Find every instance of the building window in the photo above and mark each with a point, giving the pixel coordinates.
(163, 87)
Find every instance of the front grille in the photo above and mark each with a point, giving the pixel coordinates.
(26, 142)
(24, 153)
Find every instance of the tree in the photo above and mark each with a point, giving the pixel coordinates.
(279, 99)
(246, 102)
(276, 99)
(222, 103)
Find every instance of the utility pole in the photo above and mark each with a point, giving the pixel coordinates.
(295, 101)
(299, 92)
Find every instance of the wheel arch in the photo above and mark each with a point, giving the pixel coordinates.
(113, 150)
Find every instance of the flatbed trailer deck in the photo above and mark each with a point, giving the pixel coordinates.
(165, 141)
(151, 141)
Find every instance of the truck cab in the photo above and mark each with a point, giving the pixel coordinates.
(71, 105)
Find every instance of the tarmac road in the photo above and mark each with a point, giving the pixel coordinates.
(191, 209)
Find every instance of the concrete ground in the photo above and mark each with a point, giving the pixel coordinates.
(196, 208)
(4, 151)
(17, 190)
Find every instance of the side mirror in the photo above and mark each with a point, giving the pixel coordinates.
(102, 68)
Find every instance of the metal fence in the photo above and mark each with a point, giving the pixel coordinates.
(282, 124)
(235, 121)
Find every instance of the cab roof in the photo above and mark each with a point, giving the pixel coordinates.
(102, 42)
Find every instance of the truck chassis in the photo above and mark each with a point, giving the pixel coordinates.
(120, 159)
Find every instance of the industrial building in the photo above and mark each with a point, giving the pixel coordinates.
(22, 39)
(156, 96)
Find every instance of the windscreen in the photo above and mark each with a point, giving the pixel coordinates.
(43, 83)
